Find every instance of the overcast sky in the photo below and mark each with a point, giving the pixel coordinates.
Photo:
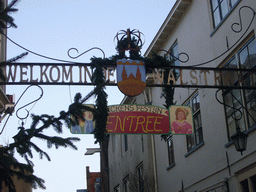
(51, 28)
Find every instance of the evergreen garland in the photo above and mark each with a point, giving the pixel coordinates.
(168, 93)
(101, 100)
(158, 61)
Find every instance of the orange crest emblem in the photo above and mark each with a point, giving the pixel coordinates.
(131, 76)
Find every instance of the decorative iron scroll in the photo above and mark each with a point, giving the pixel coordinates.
(23, 107)
(75, 49)
(238, 113)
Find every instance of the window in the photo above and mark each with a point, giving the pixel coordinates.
(253, 182)
(170, 150)
(142, 143)
(220, 9)
(125, 142)
(249, 184)
(140, 177)
(113, 142)
(97, 184)
(148, 95)
(175, 52)
(246, 178)
(126, 183)
(244, 185)
(117, 189)
(240, 105)
(196, 139)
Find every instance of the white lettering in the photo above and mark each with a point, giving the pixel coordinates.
(31, 74)
(22, 73)
(11, 75)
(67, 74)
(43, 73)
(51, 74)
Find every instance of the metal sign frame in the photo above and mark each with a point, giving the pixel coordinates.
(220, 78)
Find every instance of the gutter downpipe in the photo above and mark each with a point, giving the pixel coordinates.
(154, 161)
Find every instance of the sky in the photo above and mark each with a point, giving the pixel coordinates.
(50, 28)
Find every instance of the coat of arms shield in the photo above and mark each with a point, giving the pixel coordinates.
(131, 76)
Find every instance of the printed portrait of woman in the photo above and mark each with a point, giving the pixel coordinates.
(180, 124)
(88, 125)
(85, 125)
(77, 128)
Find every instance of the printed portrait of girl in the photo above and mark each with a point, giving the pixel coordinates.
(180, 125)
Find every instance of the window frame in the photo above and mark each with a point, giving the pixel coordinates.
(246, 175)
(219, 8)
(148, 95)
(140, 177)
(117, 188)
(173, 47)
(244, 123)
(170, 150)
(171, 54)
(250, 184)
(196, 138)
(125, 142)
(126, 183)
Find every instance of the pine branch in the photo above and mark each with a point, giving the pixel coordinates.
(12, 4)
(10, 167)
(58, 141)
(25, 147)
(14, 59)
(5, 19)
(22, 139)
(27, 177)
(41, 152)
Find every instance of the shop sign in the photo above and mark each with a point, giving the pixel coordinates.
(129, 119)
(140, 119)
